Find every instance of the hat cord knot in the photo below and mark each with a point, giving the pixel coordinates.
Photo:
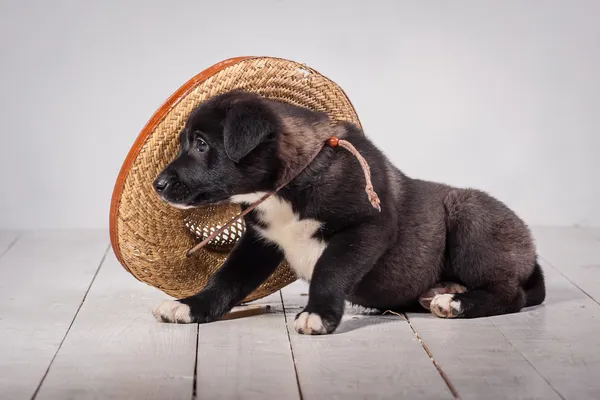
(371, 194)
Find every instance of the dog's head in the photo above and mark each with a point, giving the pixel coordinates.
(227, 147)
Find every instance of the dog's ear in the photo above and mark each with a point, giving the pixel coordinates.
(247, 124)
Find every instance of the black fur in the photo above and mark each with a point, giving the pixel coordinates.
(535, 289)
(425, 233)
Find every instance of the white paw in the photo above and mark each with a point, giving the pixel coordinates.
(444, 306)
(309, 324)
(172, 311)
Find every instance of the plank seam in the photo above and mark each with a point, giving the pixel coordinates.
(10, 246)
(287, 329)
(37, 390)
(528, 362)
(437, 366)
(195, 384)
(568, 279)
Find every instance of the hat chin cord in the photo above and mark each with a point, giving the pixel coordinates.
(331, 142)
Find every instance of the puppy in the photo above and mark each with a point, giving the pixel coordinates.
(460, 252)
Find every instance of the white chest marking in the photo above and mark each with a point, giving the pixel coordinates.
(293, 235)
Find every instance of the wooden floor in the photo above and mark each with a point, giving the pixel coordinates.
(75, 325)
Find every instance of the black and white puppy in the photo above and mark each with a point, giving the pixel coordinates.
(459, 252)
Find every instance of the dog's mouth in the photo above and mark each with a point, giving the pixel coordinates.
(180, 206)
(195, 201)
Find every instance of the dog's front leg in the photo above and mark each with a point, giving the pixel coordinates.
(250, 263)
(349, 255)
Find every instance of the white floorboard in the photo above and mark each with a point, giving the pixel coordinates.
(544, 352)
(592, 231)
(43, 279)
(479, 360)
(561, 338)
(247, 358)
(117, 350)
(575, 253)
(368, 357)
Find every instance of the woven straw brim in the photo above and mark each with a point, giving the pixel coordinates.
(148, 236)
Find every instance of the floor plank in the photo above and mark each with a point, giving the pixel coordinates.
(7, 240)
(116, 349)
(538, 351)
(368, 357)
(592, 231)
(575, 253)
(560, 338)
(479, 360)
(43, 279)
(247, 358)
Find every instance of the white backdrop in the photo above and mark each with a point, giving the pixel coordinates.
(500, 95)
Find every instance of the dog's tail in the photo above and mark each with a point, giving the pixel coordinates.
(535, 287)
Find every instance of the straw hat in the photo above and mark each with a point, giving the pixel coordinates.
(148, 236)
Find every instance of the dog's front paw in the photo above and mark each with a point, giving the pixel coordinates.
(444, 306)
(174, 312)
(308, 323)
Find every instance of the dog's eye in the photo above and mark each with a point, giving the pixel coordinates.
(201, 145)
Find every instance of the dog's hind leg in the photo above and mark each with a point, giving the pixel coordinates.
(439, 288)
(491, 252)
(479, 302)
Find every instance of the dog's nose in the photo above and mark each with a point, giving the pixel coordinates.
(161, 183)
